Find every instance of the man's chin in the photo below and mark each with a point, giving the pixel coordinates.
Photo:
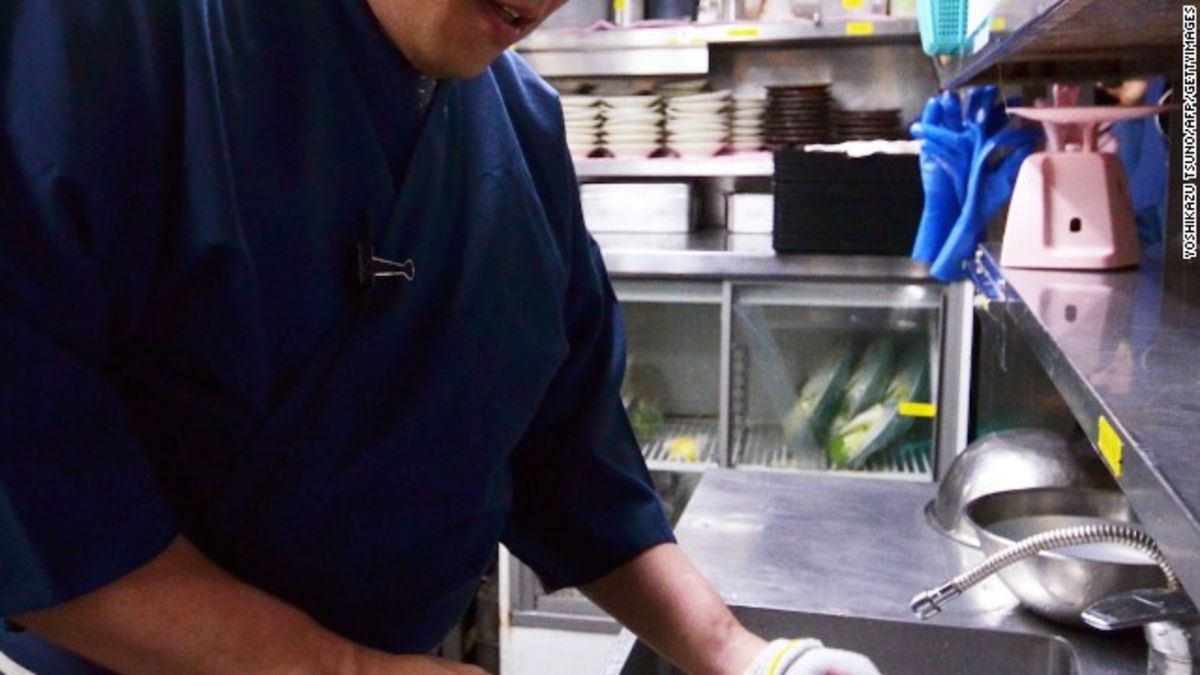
(455, 68)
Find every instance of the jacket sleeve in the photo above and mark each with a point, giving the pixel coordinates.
(583, 502)
(83, 159)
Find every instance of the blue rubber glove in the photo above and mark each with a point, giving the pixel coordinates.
(993, 174)
(944, 173)
(967, 153)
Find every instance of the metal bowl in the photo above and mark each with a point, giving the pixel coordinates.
(1059, 585)
(1011, 460)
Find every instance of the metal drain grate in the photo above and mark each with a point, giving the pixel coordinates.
(703, 430)
(762, 446)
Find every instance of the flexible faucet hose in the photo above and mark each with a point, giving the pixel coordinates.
(930, 602)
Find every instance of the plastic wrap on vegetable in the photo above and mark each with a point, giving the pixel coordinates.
(819, 396)
(859, 438)
(867, 383)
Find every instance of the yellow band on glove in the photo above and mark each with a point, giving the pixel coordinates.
(787, 648)
(808, 657)
(779, 655)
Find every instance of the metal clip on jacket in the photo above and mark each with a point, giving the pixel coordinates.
(371, 266)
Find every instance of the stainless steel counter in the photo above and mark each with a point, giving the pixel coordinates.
(1115, 345)
(846, 546)
(716, 254)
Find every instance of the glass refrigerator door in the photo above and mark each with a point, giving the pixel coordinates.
(835, 376)
(672, 387)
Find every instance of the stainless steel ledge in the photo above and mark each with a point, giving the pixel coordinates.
(864, 28)
(649, 61)
(626, 259)
(759, 164)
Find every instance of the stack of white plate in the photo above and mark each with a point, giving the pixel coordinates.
(747, 123)
(698, 124)
(632, 125)
(583, 117)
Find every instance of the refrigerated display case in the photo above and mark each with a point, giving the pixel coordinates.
(798, 363)
(769, 386)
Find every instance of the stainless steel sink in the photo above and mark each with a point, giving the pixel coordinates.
(900, 648)
(840, 557)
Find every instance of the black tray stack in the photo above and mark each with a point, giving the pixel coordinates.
(830, 203)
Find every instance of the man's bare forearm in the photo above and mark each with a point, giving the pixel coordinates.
(661, 596)
(181, 613)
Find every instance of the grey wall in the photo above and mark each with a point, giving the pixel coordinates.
(864, 76)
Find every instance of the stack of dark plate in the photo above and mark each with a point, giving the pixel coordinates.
(866, 125)
(797, 115)
(831, 203)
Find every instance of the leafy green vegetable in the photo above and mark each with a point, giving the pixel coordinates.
(646, 420)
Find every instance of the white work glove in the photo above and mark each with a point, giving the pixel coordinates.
(809, 657)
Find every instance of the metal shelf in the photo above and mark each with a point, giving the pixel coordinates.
(762, 447)
(756, 164)
(684, 49)
(704, 430)
(891, 297)
(737, 33)
(1078, 39)
(627, 257)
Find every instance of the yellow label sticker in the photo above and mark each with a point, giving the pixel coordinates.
(999, 24)
(747, 32)
(852, 4)
(915, 409)
(674, 42)
(1112, 449)
(620, 4)
(860, 28)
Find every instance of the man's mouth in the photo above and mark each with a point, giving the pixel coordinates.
(517, 18)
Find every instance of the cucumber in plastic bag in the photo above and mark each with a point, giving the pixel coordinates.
(874, 429)
(867, 384)
(819, 396)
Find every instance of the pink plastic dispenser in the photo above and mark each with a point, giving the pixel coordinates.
(1071, 207)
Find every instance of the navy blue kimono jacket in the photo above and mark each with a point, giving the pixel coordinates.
(186, 346)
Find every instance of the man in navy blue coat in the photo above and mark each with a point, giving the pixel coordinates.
(299, 320)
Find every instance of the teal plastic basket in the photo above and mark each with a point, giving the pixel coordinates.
(944, 28)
